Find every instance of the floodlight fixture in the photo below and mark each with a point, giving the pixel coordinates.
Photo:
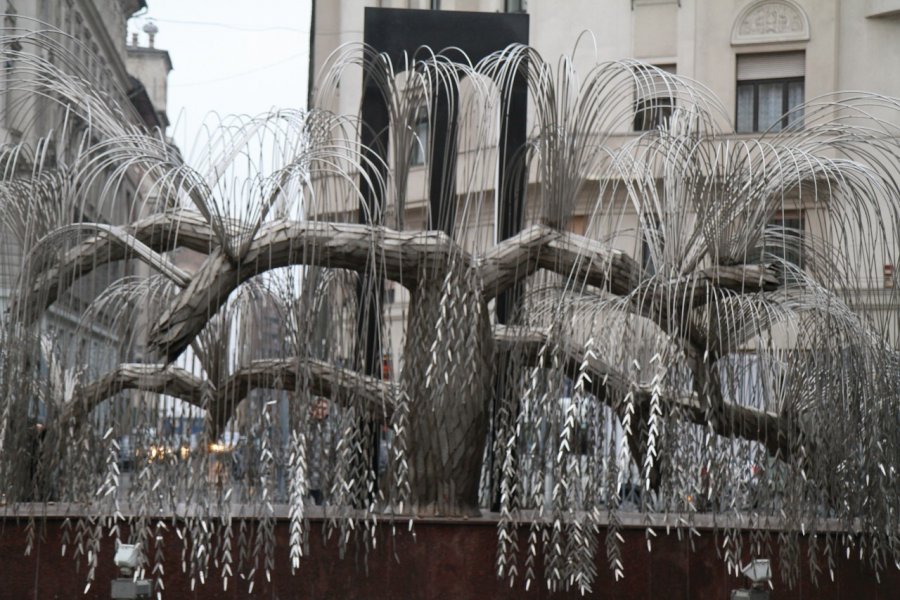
(758, 571)
(127, 558)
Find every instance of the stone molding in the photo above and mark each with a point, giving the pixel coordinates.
(767, 21)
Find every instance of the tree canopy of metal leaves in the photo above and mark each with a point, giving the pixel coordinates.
(701, 322)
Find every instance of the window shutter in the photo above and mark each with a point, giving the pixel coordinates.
(771, 66)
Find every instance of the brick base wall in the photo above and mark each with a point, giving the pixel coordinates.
(443, 560)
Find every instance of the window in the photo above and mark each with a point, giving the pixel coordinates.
(768, 87)
(784, 237)
(420, 142)
(653, 100)
(783, 241)
(651, 228)
(516, 6)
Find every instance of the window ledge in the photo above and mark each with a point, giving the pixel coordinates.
(883, 9)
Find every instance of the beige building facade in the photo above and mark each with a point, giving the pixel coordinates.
(93, 47)
(95, 37)
(846, 45)
(759, 58)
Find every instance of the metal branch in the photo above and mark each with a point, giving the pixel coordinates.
(152, 235)
(322, 379)
(732, 420)
(400, 256)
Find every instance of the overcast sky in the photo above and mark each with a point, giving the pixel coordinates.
(230, 57)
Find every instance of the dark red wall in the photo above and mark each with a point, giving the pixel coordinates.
(445, 560)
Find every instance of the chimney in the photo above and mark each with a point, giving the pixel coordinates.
(151, 30)
(134, 39)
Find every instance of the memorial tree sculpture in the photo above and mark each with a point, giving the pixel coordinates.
(696, 320)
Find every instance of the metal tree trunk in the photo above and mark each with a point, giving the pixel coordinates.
(448, 393)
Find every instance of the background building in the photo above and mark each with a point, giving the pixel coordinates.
(94, 48)
(149, 68)
(760, 58)
(95, 34)
(715, 43)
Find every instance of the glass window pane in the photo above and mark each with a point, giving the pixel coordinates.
(650, 235)
(641, 122)
(652, 113)
(744, 108)
(420, 142)
(784, 241)
(771, 96)
(795, 98)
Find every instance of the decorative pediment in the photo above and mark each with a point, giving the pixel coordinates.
(770, 21)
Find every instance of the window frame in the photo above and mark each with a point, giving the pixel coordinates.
(648, 266)
(652, 110)
(418, 155)
(786, 219)
(785, 102)
(787, 248)
(515, 6)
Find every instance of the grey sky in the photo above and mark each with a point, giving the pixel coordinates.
(231, 57)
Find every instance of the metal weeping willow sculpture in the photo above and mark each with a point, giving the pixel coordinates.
(678, 344)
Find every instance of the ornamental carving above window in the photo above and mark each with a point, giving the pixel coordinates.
(771, 21)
